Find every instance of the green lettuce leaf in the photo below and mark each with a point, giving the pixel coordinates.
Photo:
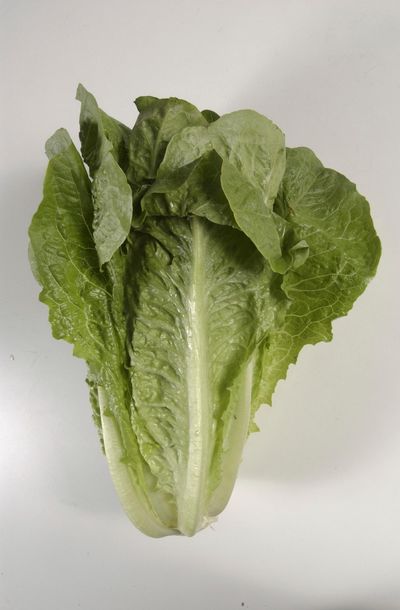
(104, 149)
(196, 283)
(159, 120)
(327, 212)
(188, 271)
(85, 311)
(64, 256)
(194, 189)
(210, 115)
(229, 173)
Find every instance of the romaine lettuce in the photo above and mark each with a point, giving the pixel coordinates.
(188, 271)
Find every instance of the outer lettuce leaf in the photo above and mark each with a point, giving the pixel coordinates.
(104, 148)
(100, 133)
(65, 258)
(82, 310)
(326, 211)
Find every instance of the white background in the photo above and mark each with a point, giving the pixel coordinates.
(313, 523)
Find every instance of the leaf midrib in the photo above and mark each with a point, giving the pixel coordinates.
(192, 494)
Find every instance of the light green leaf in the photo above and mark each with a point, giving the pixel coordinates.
(58, 143)
(199, 291)
(63, 253)
(253, 153)
(254, 146)
(333, 218)
(112, 197)
(251, 212)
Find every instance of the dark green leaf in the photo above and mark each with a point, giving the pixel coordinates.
(103, 148)
(157, 123)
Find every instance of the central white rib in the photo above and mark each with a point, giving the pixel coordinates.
(192, 499)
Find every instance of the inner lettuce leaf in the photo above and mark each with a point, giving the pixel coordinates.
(188, 271)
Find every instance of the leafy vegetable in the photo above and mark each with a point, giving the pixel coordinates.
(189, 272)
